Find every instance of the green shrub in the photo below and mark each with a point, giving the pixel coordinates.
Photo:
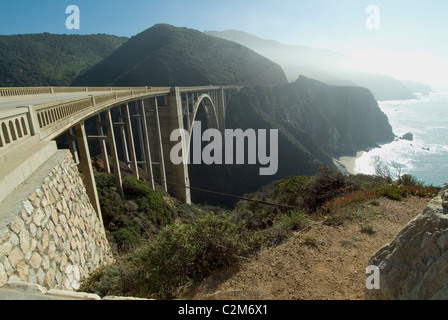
(126, 238)
(326, 186)
(179, 255)
(104, 180)
(392, 191)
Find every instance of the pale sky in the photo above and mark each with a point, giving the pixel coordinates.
(411, 42)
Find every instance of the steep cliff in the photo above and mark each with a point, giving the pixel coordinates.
(316, 122)
(336, 120)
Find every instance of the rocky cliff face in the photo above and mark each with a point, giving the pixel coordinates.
(328, 119)
(413, 266)
(316, 122)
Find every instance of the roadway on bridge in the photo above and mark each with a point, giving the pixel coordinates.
(28, 100)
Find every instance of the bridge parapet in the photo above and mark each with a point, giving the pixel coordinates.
(12, 92)
(14, 127)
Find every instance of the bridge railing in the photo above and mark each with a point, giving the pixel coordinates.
(50, 114)
(14, 127)
(15, 92)
(12, 92)
(45, 120)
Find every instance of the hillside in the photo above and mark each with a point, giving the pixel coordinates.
(165, 55)
(316, 123)
(323, 65)
(321, 263)
(50, 59)
(291, 249)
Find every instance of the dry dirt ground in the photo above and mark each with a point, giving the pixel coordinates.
(322, 263)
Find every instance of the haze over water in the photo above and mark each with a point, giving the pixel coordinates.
(426, 157)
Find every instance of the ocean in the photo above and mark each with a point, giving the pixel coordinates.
(426, 157)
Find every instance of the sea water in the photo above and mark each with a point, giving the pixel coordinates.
(426, 157)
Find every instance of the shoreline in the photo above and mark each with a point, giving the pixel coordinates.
(347, 164)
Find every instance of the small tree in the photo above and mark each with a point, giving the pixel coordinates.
(383, 169)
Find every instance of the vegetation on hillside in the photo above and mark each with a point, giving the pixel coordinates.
(51, 60)
(165, 55)
(162, 247)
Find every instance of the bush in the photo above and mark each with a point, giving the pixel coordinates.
(179, 255)
(134, 218)
(326, 186)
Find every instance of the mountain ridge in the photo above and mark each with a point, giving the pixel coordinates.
(320, 64)
(44, 59)
(164, 55)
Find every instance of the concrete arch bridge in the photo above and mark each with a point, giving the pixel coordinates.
(132, 125)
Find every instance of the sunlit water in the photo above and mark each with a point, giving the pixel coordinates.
(426, 157)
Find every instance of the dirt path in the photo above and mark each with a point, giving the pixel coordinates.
(323, 263)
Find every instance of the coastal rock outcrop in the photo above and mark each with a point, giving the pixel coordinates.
(408, 136)
(413, 266)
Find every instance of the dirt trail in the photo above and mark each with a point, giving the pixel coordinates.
(325, 262)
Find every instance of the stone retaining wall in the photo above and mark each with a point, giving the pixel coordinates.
(55, 238)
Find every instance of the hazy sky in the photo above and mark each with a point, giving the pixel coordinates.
(411, 42)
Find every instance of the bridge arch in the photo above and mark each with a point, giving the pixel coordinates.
(212, 119)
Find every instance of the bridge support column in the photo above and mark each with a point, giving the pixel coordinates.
(87, 169)
(71, 137)
(134, 166)
(102, 144)
(221, 110)
(114, 152)
(145, 146)
(121, 124)
(177, 175)
(154, 131)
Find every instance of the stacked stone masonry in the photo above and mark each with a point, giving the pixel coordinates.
(57, 239)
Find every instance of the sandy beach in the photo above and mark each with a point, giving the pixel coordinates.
(347, 164)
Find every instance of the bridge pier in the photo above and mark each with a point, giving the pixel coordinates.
(221, 110)
(144, 142)
(155, 139)
(114, 152)
(131, 144)
(87, 169)
(102, 143)
(176, 175)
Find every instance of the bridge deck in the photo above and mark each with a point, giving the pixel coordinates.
(33, 100)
